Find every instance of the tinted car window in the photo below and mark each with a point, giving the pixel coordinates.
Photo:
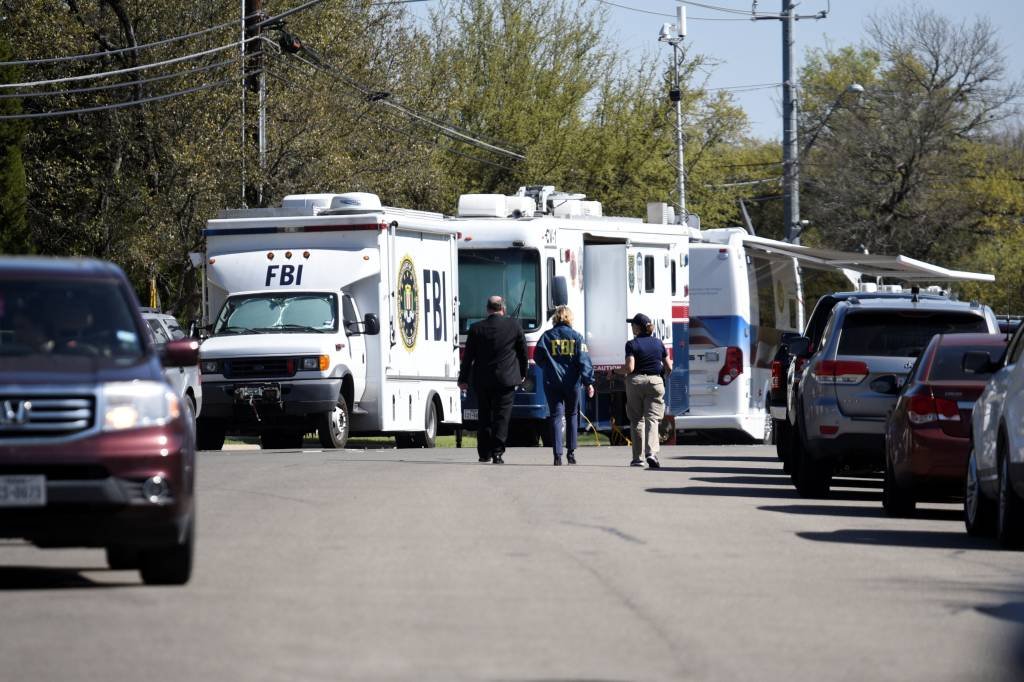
(948, 364)
(176, 331)
(901, 333)
(90, 319)
(159, 335)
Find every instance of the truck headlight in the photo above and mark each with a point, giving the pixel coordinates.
(316, 362)
(210, 367)
(137, 404)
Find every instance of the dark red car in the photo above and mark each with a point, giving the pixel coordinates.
(96, 450)
(928, 434)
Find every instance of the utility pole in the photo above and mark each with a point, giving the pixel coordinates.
(256, 83)
(790, 148)
(675, 94)
(790, 145)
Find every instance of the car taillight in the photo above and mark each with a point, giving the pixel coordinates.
(776, 375)
(844, 372)
(798, 369)
(733, 366)
(924, 409)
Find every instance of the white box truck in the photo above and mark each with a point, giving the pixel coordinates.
(331, 314)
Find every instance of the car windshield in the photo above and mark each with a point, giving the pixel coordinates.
(901, 333)
(92, 319)
(948, 363)
(513, 274)
(276, 313)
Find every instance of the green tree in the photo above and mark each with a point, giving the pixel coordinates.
(15, 236)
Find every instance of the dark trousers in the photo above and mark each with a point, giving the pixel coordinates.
(495, 412)
(566, 406)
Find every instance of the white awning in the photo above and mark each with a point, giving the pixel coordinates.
(894, 267)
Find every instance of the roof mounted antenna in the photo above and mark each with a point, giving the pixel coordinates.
(914, 294)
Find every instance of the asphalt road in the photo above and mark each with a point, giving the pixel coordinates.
(424, 565)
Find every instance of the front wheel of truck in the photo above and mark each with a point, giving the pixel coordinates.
(427, 438)
(209, 434)
(332, 429)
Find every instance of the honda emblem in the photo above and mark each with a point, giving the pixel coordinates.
(14, 412)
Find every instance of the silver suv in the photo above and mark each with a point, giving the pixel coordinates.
(184, 380)
(849, 385)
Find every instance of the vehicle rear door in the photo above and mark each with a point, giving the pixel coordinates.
(878, 348)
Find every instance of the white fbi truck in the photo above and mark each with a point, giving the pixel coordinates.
(331, 314)
(541, 248)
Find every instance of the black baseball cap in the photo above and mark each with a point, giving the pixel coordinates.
(639, 320)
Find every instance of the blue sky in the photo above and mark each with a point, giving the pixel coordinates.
(750, 52)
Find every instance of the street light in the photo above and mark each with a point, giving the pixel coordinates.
(851, 89)
(673, 35)
(791, 170)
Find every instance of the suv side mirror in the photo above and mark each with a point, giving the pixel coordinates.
(180, 353)
(799, 346)
(978, 362)
(371, 325)
(559, 291)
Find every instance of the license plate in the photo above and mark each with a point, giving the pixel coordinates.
(22, 491)
(259, 392)
(470, 414)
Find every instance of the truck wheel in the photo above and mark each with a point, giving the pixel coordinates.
(979, 511)
(812, 476)
(896, 501)
(428, 436)
(782, 436)
(1010, 517)
(769, 436)
(170, 565)
(333, 427)
(281, 440)
(209, 434)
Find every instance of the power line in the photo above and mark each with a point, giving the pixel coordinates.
(97, 55)
(132, 69)
(407, 133)
(646, 11)
(115, 86)
(385, 99)
(122, 105)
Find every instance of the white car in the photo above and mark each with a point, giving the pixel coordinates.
(994, 494)
(184, 380)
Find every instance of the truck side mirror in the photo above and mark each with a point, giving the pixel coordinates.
(978, 362)
(559, 291)
(371, 325)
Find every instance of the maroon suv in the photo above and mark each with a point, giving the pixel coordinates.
(95, 448)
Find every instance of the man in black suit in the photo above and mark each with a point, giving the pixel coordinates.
(495, 362)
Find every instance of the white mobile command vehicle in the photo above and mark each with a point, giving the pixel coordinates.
(541, 248)
(742, 300)
(330, 314)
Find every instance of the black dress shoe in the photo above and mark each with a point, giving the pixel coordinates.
(571, 457)
(498, 460)
(558, 461)
(485, 458)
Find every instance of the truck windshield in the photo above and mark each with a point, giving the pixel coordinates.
(277, 313)
(88, 319)
(513, 274)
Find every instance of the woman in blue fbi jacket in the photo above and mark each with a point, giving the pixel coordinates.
(562, 355)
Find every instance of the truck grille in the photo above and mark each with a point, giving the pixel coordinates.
(243, 368)
(40, 416)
